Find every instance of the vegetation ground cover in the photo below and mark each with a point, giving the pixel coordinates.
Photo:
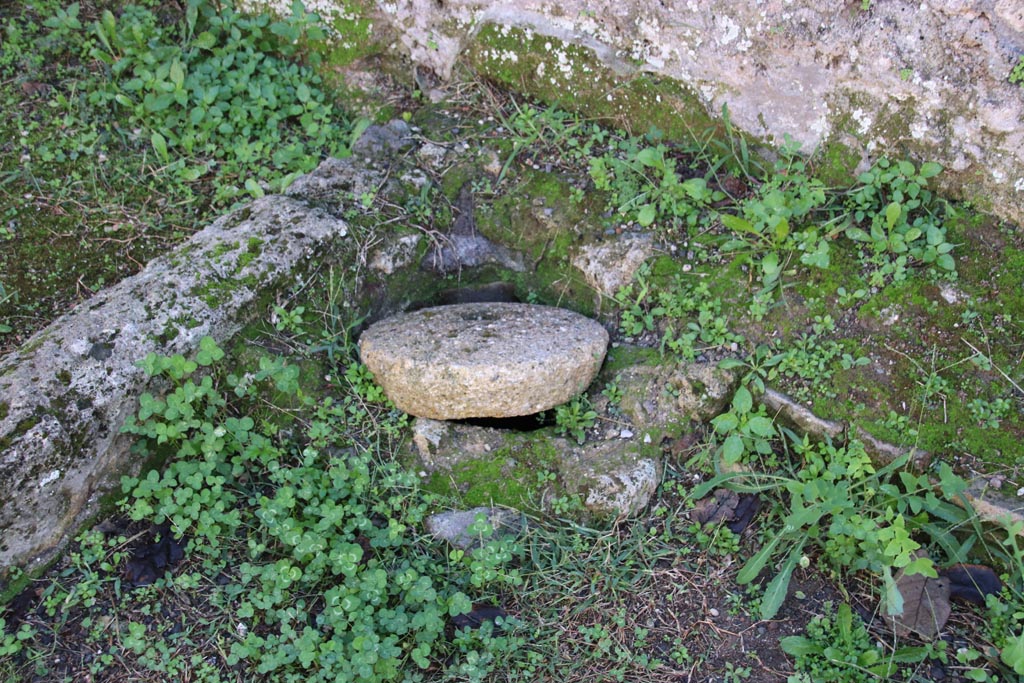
(125, 133)
(303, 556)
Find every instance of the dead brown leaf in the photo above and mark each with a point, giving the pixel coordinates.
(925, 606)
(972, 582)
(720, 506)
(735, 509)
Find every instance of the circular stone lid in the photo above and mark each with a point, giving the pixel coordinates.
(483, 359)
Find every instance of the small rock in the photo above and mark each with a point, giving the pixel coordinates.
(483, 360)
(626, 434)
(427, 435)
(377, 140)
(455, 526)
(464, 247)
(656, 396)
(432, 154)
(614, 476)
(644, 399)
(608, 266)
(950, 294)
(492, 164)
(441, 445)
(704, 390)
(395, 255)
(713, 612)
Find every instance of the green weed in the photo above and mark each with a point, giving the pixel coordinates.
(575, 418)
(1017, 72)
(838, 648)
(715, 539)
(743, 430)
(688, 319)
(779, 219)
(216, 93)
(1005, 622)
(859, 517)
(644, 185)
(895, 213)
(990, 413)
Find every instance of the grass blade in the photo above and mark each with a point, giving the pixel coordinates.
(775, 594)
(757, 562)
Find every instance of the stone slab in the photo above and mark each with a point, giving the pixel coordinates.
(65, 393)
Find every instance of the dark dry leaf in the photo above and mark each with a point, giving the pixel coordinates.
(159, 553)
(683, 444)
(972, 582)
(925, 606)
(720, 506)
(749, 504)
(479, 615)
(33, 88)
(736, 509)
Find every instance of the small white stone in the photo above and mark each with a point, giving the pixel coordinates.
(625, 434)
(49, 478)
(713, 612)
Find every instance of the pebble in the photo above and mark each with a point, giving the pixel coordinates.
(625, 434)
(713, 612)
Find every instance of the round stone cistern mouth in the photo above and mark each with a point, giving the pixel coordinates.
(483, 360)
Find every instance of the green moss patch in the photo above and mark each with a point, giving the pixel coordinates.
(509, 476)
(573, 77)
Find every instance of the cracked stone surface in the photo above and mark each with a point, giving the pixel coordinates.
(924, 77)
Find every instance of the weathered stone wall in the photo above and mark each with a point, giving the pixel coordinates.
(925, 78)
